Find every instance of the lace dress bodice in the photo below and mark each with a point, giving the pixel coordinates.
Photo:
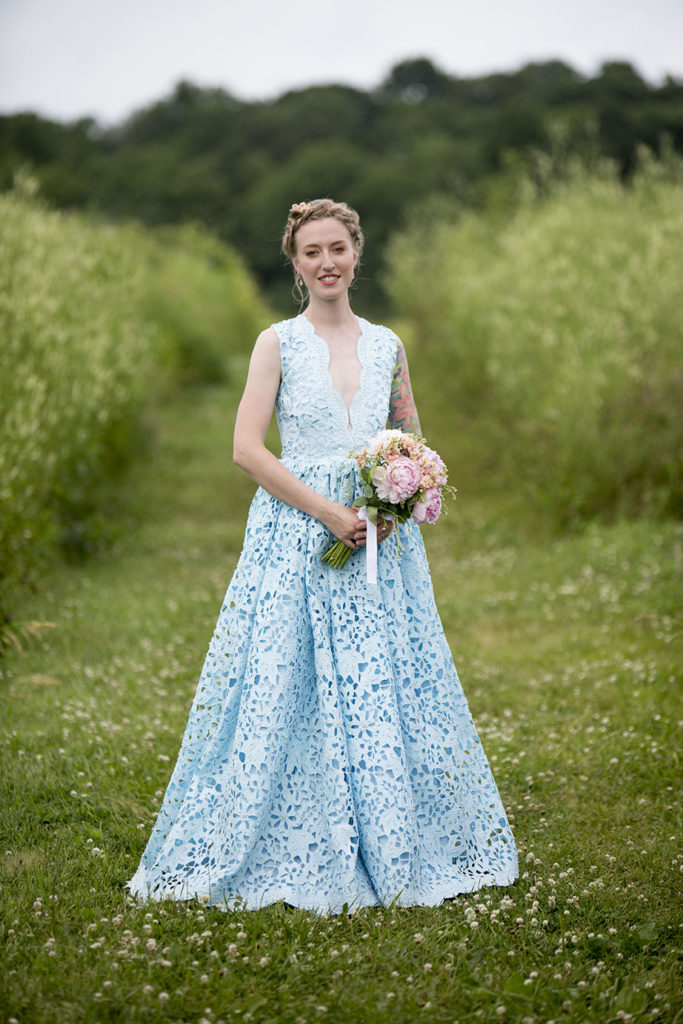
(314, 421)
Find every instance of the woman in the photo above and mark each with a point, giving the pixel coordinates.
(329, 759)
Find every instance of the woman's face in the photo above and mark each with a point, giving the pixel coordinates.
(325, 257)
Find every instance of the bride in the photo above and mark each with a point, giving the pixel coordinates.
(330, 759)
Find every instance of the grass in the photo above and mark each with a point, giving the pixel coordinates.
(569, 651)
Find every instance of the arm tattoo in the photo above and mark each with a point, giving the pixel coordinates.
(402, 411)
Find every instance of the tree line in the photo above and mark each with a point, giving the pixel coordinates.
(202, 154)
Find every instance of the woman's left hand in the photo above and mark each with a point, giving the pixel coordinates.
(384, 528)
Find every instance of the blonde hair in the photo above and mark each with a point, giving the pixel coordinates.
(317, 209)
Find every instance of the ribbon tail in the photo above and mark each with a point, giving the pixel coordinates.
(370, 546)
(372, 552)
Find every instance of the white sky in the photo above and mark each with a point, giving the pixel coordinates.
(70, 58)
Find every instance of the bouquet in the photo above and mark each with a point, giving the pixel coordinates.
(403, 479)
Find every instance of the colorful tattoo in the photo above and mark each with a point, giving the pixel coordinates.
(402, 411)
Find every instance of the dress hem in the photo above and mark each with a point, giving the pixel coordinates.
(430, 897)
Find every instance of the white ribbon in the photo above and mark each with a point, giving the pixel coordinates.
(371, 543)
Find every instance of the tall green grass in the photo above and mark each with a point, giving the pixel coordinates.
(559, 332)
(96, 323)
(204, 301)
(76, 363)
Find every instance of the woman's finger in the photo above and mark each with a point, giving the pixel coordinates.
(384, 528)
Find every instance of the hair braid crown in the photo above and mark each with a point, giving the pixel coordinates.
(317, 209)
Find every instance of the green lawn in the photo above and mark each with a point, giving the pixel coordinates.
(569, 652)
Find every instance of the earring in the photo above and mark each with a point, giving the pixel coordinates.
(299, 281)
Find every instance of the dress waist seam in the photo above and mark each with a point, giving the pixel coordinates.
(309, 462)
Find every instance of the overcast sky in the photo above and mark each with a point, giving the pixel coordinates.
(70, 58)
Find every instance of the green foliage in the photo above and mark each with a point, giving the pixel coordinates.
(76, 364)
(203, 300)
(96, 322)
(557, 333)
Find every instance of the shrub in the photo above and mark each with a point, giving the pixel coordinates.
(76, 363)
(96, 321)
(204, 301)
(558, 337)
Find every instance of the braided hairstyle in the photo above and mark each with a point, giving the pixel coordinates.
(316, 209)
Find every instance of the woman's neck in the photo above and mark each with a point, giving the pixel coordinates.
(333, 315)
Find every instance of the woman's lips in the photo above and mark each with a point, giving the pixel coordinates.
(329, 278)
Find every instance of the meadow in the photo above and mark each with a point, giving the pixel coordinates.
(557, 574)
(569, 652)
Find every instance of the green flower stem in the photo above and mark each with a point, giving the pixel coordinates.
(338, 555)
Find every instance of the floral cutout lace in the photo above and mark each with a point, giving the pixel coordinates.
(330, 757)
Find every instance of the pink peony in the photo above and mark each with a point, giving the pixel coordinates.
(397, 481)
(428, 509)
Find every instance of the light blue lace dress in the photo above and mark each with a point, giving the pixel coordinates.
(329, 757)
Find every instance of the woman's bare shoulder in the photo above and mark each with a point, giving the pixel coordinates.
(267, 346)
(268, 339)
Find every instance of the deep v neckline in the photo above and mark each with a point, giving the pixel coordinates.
(328, 354)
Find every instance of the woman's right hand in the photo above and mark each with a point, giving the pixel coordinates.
(344, 523)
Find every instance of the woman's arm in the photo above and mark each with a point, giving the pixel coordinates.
(250, 454)
(402, 411)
